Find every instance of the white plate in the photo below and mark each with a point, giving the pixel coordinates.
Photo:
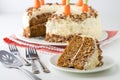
(41, 40)
(108, 63)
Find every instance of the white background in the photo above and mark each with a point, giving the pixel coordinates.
(109, 10)
(11, 12)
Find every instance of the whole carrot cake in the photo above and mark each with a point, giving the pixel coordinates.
(60, 22)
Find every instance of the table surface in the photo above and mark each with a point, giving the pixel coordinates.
(10, 24)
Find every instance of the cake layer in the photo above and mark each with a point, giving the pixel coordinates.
(35, 31)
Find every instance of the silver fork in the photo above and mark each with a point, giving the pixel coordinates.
(35, 55)
(13, 49)
(29, 56)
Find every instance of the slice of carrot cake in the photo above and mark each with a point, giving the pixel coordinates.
(82, 53)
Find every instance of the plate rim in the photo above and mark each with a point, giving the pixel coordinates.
(36, 41)
(98, 69)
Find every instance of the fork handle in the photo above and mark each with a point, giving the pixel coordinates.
(31, 75)
(34, 67)
(26, 62)
(45, 69)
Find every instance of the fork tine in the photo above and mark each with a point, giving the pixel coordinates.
(10, 48)
(32, 51)
(26, 51)
(35, 51)
(13, 49)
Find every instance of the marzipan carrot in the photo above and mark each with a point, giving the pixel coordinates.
(37, 3)
(42, 2)
(63, 2)
(80, 2)
(85, 8)
(67, 10)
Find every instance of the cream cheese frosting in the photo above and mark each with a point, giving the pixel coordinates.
(41, 10)
(92, 62)
(90, 26)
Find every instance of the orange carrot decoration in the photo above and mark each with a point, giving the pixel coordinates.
(37, 3)
(67, 8)
(85, 6)
(80, 2)
(42, 2)
(63, 2)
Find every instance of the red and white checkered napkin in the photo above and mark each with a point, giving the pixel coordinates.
(12, 39)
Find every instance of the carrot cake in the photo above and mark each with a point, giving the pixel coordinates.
(83, 52)
(49, 20)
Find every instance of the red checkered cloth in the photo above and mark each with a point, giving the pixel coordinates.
(54, 49)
